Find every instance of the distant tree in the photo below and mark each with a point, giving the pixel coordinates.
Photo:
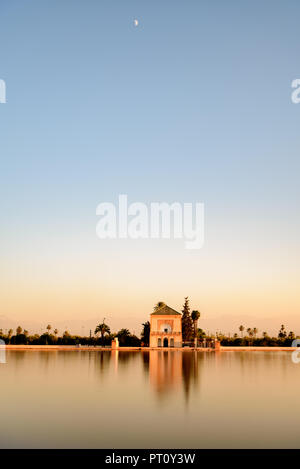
(46, 339)
(249, 330)
(145, 335)
(241, 328)
(201, 334)
(291, 335)
(123, 336)
(195, 317)
(19, 330)
(103, 329)
(9, 335)
(186, 320)
(255, 331)
(55, 332)
(49, 327)
(19, 339)
(25, 333)
(282, 333)
(265, 335)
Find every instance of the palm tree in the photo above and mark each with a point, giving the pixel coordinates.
(123, 335)
(49, 327)
(255, 331)
(55, 332)
(19, 330)
(145, 335)
(241, 328)
(159, 305)
(249, 330)
(195, 316)
(9, 334)
(103, 329)
(25, 332)
(282, 333)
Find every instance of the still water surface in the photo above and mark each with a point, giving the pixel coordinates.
(156, 399)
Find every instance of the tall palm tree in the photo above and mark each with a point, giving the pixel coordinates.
(145, 336)
(49, 327)
(255, 331)
(103, 329)
(55, 332)
(241, 328)
(195, 316)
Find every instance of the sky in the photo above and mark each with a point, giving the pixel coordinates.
(192, 105)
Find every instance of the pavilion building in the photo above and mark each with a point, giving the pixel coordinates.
(165, 328)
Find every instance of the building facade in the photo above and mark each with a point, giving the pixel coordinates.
(165, 328)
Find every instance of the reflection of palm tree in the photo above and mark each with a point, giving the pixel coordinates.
(189, 371)
(145, 358)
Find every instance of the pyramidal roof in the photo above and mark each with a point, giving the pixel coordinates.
(165, 311)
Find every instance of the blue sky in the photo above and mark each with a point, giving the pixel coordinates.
(192, 105)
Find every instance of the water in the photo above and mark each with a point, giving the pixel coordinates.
(157, 399)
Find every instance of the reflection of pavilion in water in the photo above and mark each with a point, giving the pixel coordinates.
(170, 371)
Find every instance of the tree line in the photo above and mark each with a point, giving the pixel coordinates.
(191, 334)
(251, 337)
(101, 336)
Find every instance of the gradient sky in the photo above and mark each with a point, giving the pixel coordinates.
(192, 105)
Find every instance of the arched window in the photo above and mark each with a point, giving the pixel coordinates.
(166, 344)
(172, 342)
(159, 342)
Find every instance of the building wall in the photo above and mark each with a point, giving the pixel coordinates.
(157, 326)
